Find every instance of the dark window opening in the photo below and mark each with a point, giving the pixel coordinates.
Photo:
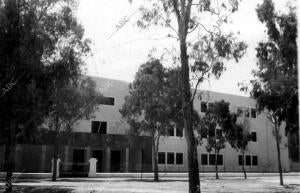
(107, 101)
(179, 158)
(254, 160)
(220, 159)
(204, 160)
(246, 112)
(203, 107)
(115, 162)
(98, 154)
(253, 136)
(212, 159)
(99, 127)
(253, 113)
(248, 160)
(239, 111)
(161, 158)
(210, 106)
(240, 160)
(170, 158)
(179, 132)
(171, 132)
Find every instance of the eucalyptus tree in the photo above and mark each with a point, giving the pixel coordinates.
(40, 41)
(238, 136)
(152, 104)
(275, 86)
(70, 104)
(215, 124)
(204, 46)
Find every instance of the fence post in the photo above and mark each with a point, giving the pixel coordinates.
(57, 168)
(93, 167)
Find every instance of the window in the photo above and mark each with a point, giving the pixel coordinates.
(239, 112)
(212, 159)
(253, 113)
(246, 112)
(171, 132)
(99, 127)
(179, 158)
(254, 160)
(248, 160)
(179, 132)
(210, 105)
(170, 158)
(240, 160)
(204, 160)
(161, 158)
(203, 107)
(220, 159)
(107, 101)
(253, 136)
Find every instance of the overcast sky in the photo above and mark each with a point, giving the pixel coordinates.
(118, 54)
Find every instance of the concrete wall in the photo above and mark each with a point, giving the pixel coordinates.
(264, 148)
(110, 114)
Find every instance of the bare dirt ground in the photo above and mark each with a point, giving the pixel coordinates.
(261, 184)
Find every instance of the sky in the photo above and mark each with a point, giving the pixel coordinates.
(117, 52)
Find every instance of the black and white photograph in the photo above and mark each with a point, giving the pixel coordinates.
(149, 96)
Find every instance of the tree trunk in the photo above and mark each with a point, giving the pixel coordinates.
(10, 157)
(55, 151)
(216, 155)
(278, 152)
(156, 178)
(194, 182)
(216, 163)
(243, 165)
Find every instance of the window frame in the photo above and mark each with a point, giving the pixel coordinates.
(251, 136)
(249, 159)
(177, 153)
(170, 153)
(109, 101)
(164, 153)
(202, 109)
(252, 162)
(252, 114)
(99, 129)
(205, 155)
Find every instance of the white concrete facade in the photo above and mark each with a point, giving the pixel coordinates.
(264, 149)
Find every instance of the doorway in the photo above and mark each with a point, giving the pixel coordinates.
(78, 160)
(115, 161)
(98, 154)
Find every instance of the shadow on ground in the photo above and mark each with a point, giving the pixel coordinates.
(34, 189)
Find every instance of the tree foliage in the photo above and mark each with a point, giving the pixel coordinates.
(275, 86)
(188, 21)
(42, 49)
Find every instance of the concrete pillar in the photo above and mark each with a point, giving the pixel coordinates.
(88, 154)
(127, 160)
(66, 154)
(43, 158)
(57, 168)
(107, 160)
(18, 158)
(93, 166)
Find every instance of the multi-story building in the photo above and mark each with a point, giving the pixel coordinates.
(105, 138)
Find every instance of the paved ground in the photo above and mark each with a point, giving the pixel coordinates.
(234, 184)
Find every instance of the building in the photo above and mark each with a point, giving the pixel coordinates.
(104, 138)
